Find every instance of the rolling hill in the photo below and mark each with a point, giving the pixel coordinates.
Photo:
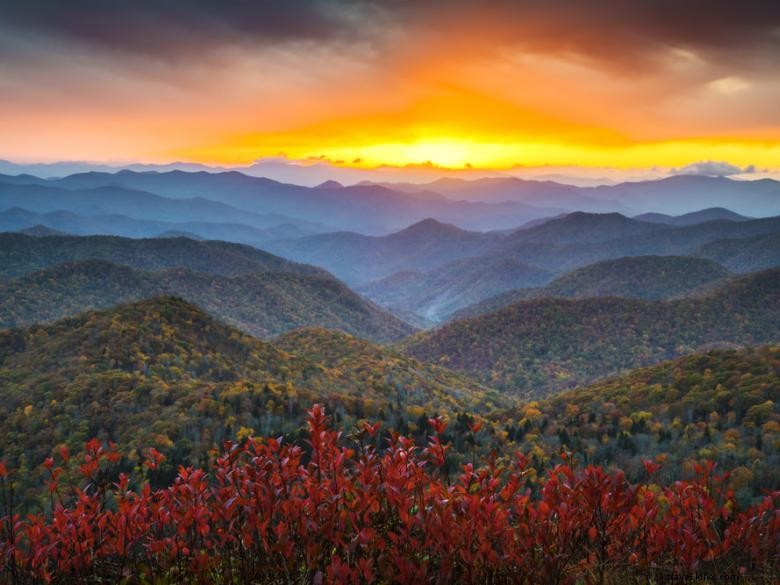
(39, 230)
(535, 347)
(693, 218)
(745, 254)
(582, 228)
(579, 239)
(262, 304)
(163, 373)
(721, 405)
(633, 277)
(383, 372)
(21, 254)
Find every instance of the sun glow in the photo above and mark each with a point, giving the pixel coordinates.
(489, 153)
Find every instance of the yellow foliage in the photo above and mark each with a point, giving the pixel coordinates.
(163, 440)
(771, 426)
(531, 411)
(244, 433)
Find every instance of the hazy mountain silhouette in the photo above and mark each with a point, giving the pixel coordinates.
(702, 216)
(370, 208)
(17, 219)
(21, 254)
(634, 277)
(358, 258)
(435, 294)
(263, 304)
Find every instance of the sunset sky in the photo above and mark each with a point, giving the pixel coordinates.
(487, 84)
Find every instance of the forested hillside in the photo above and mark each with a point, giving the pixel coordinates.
(632, 277)
(722, 405)
(745, 254)
(260, 303)
(640, 277)
(162, 373)
(535, 347)
(21, 254)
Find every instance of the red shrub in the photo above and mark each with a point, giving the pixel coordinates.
(272, 513)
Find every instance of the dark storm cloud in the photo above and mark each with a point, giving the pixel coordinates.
(619, 32)
(171, 28)
(622, 32)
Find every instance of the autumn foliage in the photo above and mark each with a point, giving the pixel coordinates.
(341, 510)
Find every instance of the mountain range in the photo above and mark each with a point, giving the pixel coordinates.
(223, 197)
(433, 270)
(482, 205)
(534, 295)
(680, 194)
(67, 222)
(694, 217)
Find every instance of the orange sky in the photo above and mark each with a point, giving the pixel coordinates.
(490, 89)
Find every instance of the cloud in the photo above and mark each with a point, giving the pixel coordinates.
(231, 81)
(713, 168)
(181, 29)
(729, 85)
(628, 33)
(617, 34)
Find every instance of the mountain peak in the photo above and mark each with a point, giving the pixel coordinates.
(584, 215)
(330, 184)
(40, 230)
(584, 219)
(430, 225)
(694, 217)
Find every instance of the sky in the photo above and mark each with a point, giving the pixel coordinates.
(494, 85)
